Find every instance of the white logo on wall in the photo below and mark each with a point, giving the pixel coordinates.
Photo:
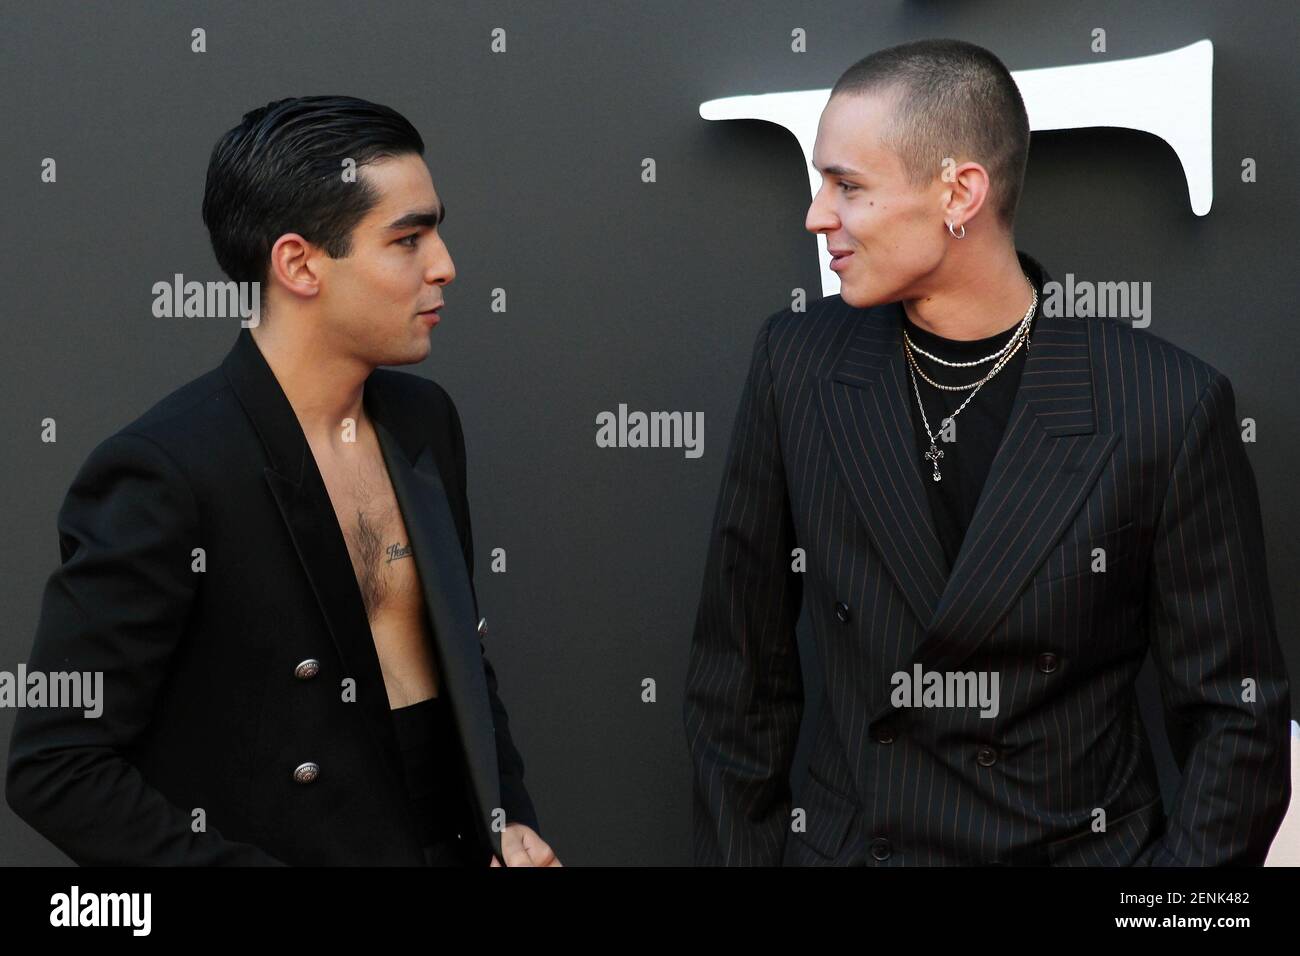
(1166, 94)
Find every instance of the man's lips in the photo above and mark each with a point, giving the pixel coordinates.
(839, 258)
(432, 315)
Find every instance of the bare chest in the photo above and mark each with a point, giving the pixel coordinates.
(383, 561)
(377, 539)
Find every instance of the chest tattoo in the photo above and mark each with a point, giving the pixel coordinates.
(372, 554)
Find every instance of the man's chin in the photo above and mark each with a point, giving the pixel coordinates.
(411, 356)
(860, 298)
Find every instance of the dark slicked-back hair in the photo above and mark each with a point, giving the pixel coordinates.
(281, 170)
(954, 99)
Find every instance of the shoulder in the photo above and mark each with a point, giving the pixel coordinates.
(1152, 365)
(171, 436)
(186, 407)
(146, 481)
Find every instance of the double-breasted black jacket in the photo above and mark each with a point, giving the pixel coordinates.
(1118, 441)
(210, 700)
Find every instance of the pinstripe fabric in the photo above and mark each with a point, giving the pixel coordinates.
(1116, 439)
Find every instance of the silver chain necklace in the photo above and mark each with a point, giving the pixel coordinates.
(1003, 356)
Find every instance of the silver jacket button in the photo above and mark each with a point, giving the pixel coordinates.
(306, 772)
(307, 669)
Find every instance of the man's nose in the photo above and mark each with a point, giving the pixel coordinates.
(820, 218)
(441, 270)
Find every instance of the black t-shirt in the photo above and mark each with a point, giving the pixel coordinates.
(426, 734)
(966, 461)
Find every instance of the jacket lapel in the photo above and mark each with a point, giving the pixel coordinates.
(865, 408)
(1049, 458)
(309, 517)
(435, 546)
(304, 503)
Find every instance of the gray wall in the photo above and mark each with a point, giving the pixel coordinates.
(618, 291)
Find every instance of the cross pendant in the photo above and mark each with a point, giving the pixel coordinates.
(933, 455)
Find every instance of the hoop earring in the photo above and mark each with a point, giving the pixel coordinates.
(954, 235)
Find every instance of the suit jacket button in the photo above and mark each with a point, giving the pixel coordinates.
(987, 756)
(307, 669)
(880, 849)
(884, 736)
(306, 772)
(1047, 662)
(842, 612)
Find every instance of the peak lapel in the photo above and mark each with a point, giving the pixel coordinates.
(309, 516)
(448, 597)
(304, 503)
(865, 408)
(1050, 457)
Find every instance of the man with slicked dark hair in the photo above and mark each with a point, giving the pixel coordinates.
(992, 514)
(272, 568)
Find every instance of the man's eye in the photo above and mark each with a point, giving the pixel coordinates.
(848, 187)
(414, 237)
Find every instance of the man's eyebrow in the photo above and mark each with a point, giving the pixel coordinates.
(836, 170)
(427, 218)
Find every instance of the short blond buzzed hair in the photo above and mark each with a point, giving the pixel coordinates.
(952, 99)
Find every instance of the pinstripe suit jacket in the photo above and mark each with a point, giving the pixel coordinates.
(1116, 440)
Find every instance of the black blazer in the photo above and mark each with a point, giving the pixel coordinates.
(205, 705)
(1116, 439)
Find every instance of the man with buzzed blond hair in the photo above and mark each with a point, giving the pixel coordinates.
(968, 492)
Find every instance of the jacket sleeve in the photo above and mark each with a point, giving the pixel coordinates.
(1214, 642)
(116, 606)
(516, 803)
(744, 687)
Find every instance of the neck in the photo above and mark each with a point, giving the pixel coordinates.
(323, 385)
(973, 297)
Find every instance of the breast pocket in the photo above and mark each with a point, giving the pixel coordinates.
(1075, 558)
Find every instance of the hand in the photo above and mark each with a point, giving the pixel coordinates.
(521, 846)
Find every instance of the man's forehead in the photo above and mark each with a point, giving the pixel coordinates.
(404, 201)
(848, 158)
(849, 143)
(856, 116)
